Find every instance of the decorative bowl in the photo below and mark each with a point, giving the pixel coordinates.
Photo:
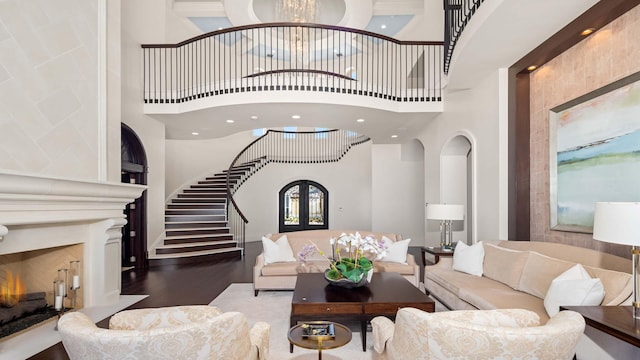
(346, 283)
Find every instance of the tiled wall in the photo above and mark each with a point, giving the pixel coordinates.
(606, 56)
(49, 87)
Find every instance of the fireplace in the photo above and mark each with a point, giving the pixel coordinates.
(47, 225)
(27, 286)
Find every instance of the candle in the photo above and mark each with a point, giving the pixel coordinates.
(61, 289)
(76, 282)
(58, 302)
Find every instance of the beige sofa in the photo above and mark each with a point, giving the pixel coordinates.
(517, 274)
(282, 275)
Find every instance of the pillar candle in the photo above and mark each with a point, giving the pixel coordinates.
(76, 282)
(58, 302)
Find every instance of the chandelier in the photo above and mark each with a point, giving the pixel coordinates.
(298, 11)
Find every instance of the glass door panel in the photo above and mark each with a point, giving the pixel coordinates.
(316, 206)
(292, 206)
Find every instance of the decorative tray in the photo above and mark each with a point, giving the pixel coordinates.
(318, 329)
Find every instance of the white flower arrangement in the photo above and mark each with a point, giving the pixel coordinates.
(355, 263)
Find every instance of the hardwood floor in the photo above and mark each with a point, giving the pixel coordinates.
(183, 285)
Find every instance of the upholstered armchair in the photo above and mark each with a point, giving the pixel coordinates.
(477, 334)
(181, 332)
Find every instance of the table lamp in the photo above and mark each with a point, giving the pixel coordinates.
(619, 223)
(446, 213)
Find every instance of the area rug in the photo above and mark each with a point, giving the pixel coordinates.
(274, 307)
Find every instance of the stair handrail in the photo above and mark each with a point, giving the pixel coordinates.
(262, 158)
(457, 14)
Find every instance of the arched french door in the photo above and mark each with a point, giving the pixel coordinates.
(303, 205)
(134, 171)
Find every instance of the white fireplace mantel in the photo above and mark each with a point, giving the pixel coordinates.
(39, 213)
(27, 199)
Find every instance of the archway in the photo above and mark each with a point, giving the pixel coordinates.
(134, 171)
(457, 171)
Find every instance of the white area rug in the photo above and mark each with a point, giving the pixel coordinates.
(274, 307)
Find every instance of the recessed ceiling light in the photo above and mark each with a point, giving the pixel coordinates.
(394, 136)
(360, 120)
(588, 31)
(295, 117)
(254, 117)
(229, 121)
(383, 26)
(532, 67)
(195, 133)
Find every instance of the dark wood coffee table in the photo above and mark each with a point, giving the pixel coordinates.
(315, 299)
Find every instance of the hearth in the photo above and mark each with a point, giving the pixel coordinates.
(26, 304)
(18, 312)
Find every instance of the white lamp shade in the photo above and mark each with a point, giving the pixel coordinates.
(445, 212)
(617, 222)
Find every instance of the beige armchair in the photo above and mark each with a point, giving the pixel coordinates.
(477, 334)
(181, 332)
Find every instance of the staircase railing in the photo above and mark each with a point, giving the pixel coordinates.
(292, 57)
(457, 14)
(287, 147)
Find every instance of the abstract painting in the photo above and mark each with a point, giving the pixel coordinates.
(594, 153)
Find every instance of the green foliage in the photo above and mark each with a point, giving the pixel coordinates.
(352, 270)
(334, 274)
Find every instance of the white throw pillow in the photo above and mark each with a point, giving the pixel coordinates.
(396, 251)
(277, 251)
(573, 287)
(469, 259)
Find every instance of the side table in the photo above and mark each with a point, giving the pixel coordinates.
(616, 321)
(436, 252)
(342, 337)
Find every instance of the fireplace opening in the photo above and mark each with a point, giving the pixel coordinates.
(20, 309)
(37, 285)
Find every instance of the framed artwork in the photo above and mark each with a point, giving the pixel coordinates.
(594, 153)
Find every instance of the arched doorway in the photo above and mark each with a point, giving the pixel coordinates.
(303, 205)
(134, 171)
(456, 183)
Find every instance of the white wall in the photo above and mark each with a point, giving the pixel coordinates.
(113, 77)
(49, 89)
(348, 182)
(143, 22)
(398, 191)
(475, 114)
(205, 158)
(454, 189)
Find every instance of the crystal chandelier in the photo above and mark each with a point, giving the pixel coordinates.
(299, 11)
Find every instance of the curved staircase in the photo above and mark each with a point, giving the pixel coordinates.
(203, 222)
(196, 224)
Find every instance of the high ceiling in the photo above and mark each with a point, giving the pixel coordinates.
(386, 17)
(508, 29)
